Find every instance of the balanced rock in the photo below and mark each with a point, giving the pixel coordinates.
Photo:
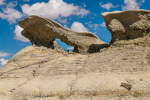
(43, 31)
(127, 25)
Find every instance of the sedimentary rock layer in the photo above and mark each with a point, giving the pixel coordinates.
(115, 73)
(43, 31)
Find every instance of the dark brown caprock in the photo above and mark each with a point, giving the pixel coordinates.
(127, 86)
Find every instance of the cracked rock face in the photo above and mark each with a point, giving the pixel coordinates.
(127, 25)
(42, 31)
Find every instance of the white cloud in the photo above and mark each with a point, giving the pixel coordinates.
(4, 54)
(10, 13)
(3, 61)
(79, 27)
(12, 4)
(2, 2)
(70, 48)
(132, 4)
(65, 26)
(18, 36)
(89, 24)
(84, 5)
(103, 24)
(95, 26)
(26, 0)
(142, 1)
(62, 20)
(107, 6)
(54, 9)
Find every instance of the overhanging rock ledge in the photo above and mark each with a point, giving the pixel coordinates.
(128, 26)
(42, 31)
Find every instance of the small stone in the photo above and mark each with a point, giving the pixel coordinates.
(141, 79)
(127, 86)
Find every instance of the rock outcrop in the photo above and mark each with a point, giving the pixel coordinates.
(36, 74)
(128, 25)
(40, 72)
(43, 31)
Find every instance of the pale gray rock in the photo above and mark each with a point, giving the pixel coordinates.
(126, 25)
(42, 31)
(37, 73)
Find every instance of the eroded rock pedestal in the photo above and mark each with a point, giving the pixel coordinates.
(128, 25)
(42, 31)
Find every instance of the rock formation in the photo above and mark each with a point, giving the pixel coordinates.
(43, 31)
(127, 25)
(118, 72)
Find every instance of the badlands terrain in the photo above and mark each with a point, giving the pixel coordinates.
(94, 70)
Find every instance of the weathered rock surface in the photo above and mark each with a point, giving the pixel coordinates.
(43, 31)
(118, 72)
(126, 25)
(36, 73)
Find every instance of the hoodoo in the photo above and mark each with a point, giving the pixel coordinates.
(128, 25)
(42, 31)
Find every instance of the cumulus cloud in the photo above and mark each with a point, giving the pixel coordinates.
(3, 61)
(95, 26)
(18, 36)
(79, 27)
(12, 4)
(4, 54)
(132, 4)
(2, 2)
(54, 9)
(107, 6)
(10, 13)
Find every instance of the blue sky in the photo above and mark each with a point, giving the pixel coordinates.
(78, 15)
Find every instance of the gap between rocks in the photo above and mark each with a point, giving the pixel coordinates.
(63, 45)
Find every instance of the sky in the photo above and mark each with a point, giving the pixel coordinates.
(78, 15)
